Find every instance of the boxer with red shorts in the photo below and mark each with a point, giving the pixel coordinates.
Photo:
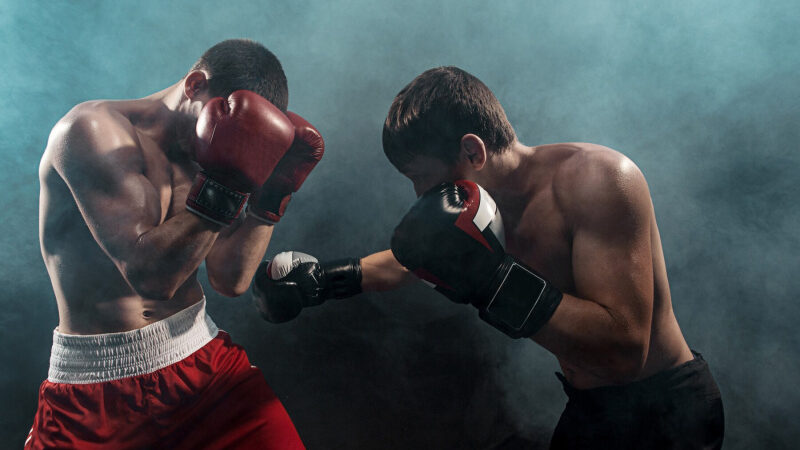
(135, 195)
(555, 243)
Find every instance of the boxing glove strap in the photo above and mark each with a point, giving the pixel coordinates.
(342, 278)
(520, 301)
(214, 201)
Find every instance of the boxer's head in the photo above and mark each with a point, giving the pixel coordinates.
(237, 64)
(443, 124)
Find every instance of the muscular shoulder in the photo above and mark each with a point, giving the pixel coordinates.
(598, 186)
(89, 132)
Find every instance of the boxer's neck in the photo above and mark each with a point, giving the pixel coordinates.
(167, 118)
(508, 177)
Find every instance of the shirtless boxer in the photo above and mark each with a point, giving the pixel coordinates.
(135, 195)
(557, 243)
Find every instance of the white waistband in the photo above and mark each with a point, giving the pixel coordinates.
(83, 359)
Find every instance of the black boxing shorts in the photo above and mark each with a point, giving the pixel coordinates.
(679, 408)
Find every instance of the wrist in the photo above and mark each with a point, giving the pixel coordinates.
(342, 278)
(215, 201)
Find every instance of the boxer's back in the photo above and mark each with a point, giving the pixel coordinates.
(540, 235)
(92, 295)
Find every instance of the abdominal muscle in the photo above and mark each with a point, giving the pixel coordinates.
(94, 299)
(118, 314)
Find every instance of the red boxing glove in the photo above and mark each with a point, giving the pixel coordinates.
(240, 141)
(270, 202)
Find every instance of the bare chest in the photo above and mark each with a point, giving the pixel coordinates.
(171, 179)
(540, 238)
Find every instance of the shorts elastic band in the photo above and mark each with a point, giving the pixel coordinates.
(95, 358)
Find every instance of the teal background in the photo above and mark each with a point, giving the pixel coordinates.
(703, 96)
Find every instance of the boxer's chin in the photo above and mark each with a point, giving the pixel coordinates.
(191, 145)
(186, 142)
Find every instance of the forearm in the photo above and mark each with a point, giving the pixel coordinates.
(166, 255)
(234, 258)
(381, 272)
(593, 337)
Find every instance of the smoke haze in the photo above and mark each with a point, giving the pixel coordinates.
(703, 96)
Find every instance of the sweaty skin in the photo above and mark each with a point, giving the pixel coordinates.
(120, 247)
(581, 215)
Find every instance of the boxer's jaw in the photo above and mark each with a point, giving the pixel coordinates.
(187, 99)
(500, 173)
(426, 172)
(160, 117)
(182, 137)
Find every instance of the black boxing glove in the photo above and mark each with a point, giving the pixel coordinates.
(294, 280)
(453, 238)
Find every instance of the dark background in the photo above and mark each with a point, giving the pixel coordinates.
(703, 96)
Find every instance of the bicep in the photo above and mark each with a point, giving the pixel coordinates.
(615, 273)
(611, 252)
(106, 178)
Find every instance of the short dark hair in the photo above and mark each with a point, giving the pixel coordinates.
(244, 64)
(431, 114)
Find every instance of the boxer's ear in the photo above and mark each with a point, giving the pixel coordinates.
(195, 84)
(473, 151)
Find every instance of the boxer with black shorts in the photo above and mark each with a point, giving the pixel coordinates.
(135, 195)
(557, 243)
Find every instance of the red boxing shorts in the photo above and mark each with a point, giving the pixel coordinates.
(177, 383)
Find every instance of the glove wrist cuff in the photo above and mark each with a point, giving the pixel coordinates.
(214, 201)
(342, 278)
(518, 300)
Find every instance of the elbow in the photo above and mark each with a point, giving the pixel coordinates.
(627, 363)
(230, 291)
(227, 287)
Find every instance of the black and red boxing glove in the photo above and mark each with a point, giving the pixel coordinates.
(453, 238)
(294, 280)
(240, 141)
(269, 203)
